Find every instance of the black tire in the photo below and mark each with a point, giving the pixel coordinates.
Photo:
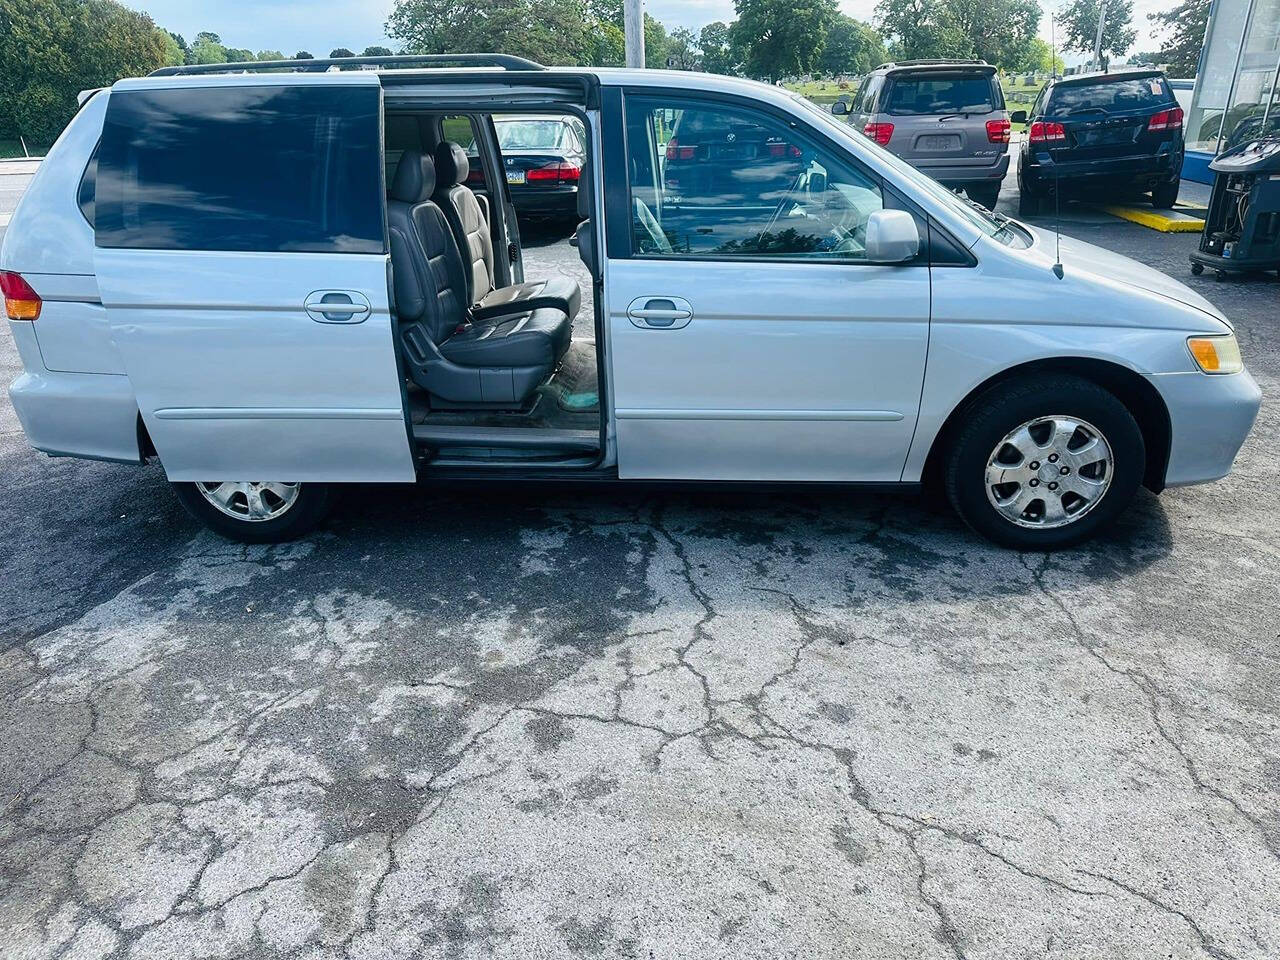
(313, 503)
(1197, 269)
(991, 416)
(1165, 195)
(987, 194)
(1029, 203)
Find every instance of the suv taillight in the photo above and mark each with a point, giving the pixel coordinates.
(1166, 120)
(998, 131)
(879, 132)
(20, 301)
(556, 172)
(677, 152)
(1043, 130)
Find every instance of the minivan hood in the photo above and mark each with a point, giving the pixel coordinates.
(1076, 254)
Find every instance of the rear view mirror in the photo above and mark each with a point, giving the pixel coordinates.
(1018, 116)
(840, 108)
(892, 237)
(817, 182)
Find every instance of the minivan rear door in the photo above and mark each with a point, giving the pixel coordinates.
(241, 256)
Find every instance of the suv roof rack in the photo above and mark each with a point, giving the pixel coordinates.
(503, 60)
(929, 63)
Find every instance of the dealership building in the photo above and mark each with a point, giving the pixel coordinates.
(1237, 84)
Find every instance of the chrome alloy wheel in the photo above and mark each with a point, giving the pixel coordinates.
(253, 502)
(1049, 472)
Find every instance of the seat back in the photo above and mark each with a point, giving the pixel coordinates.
(427, 270)
(462, 210)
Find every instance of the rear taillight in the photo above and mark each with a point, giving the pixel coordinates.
(20, 301)
(555, 173)
(677, 152)
(879, 132)
(1046, 130)
(784, 150)
(1166, 120)
(998, 131)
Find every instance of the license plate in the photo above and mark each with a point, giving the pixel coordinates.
(515, 176)
(939, 142)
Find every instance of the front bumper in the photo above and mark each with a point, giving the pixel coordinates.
(1210, 417)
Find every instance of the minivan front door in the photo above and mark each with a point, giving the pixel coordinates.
(749, 337)
(241, 257)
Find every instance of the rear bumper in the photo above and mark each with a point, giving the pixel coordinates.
(1211, 417)
(1039, 169)
(91, 415)
(545, 200)
(951, 174)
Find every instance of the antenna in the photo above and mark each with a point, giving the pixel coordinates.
(1057, 183)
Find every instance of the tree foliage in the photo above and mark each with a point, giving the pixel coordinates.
(852, 47)
(549, 31)
(1079, 23)
(682, 50)
(377, 51)
(781, 38)
(50, 50)
(715, 48)
(997, 31)
(1187, 23)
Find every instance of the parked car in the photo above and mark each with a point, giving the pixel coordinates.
(945, 117)
(1115, 132)
(542, 158)
(214, 271)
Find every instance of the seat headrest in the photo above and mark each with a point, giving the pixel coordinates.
(451, 164)
(415, 178)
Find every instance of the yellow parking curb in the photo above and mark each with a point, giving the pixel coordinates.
(1166, 221)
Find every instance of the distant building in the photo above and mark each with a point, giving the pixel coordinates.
(1236, 93)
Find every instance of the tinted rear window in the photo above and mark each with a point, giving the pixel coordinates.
(288, 168)
(1109, 96)
(929, 94)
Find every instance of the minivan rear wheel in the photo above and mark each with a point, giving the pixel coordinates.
(1044, 463)
(257, 511)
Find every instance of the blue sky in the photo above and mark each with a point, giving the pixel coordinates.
(321, 25)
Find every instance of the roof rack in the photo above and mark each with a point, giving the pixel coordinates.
(319, 64)
(928, 63)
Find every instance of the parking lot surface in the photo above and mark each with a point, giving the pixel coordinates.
(563, 721)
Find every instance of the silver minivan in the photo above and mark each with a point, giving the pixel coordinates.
(945, 117)
(244, 276)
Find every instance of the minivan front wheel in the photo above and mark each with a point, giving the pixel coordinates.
(257, 511)
(1045, 463)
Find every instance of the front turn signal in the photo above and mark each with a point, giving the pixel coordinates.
(1216, 354)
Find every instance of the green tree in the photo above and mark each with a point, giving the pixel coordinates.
(921, 29)
(1079, 23)
(655, 43)
(682, 50)
(430, 26)
(340, 52)
(781, 38)
(270, 55)
(852, 47)
(606, 45)
(1040, 57)
(377, 52)
(174, 55)
(239, 55)
(208, 48)
(1187, 23)
(714, 44)
(997, 31)
(303, 55)
(50, 50)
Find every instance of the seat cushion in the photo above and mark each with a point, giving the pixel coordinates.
(558, 293)
(530, 339)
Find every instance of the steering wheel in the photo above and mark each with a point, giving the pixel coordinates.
(651, 226)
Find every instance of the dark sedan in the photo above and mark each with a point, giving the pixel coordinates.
(1115, 132)
(542, 157)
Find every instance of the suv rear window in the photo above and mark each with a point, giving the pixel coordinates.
(1109, 96)
(919, 94)
(265, 168)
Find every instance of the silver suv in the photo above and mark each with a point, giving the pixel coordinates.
(946, 117)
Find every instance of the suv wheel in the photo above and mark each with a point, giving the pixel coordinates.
(257, 512)
(1165, 195)
(986, 194)
(1029, 202)
(1045, 463)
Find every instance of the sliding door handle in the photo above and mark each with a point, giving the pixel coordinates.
(660, 313)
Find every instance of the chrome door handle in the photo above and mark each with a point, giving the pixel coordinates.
(336, 306)
(661, 313)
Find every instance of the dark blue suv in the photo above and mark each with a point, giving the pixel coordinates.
(1118, 132)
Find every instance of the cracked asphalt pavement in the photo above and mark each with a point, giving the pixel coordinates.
(564, 721)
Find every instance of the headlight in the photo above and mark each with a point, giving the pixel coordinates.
(1216, 354)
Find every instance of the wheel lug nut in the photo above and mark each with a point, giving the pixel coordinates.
(1053, 486)
(1053, 458)
(1035, 464)
(1064, 470)
(1035, 483)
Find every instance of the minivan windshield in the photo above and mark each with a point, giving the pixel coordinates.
(920, 94)
(1109, 96)
(529, 134)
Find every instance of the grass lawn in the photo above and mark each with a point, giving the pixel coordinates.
(10, 148)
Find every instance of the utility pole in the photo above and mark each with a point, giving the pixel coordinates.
(1097, 40)
(633, 31)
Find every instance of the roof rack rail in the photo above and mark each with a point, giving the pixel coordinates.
(926, 63)
(503, 60)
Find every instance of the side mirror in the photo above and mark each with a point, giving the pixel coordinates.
(840, 108)
(892, 237)
(1018, 116)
